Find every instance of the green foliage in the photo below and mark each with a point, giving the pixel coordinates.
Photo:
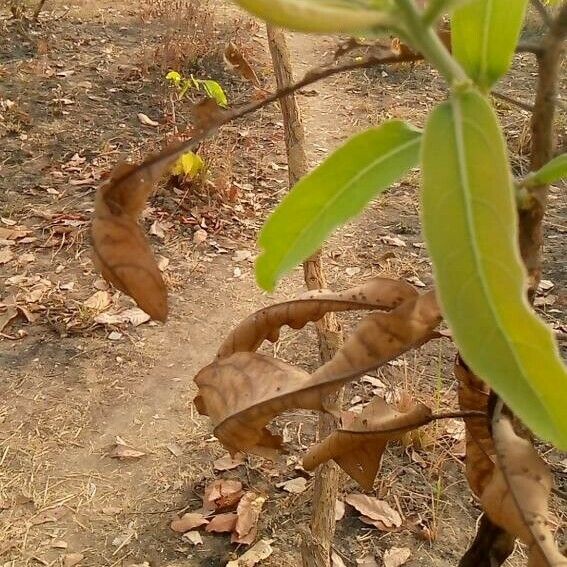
(470, 224)
(211, 88)
(484, 37)
(189, 165)
(552, 171)
(324, 16)
(332, 194)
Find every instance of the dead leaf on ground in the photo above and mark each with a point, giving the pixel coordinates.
(339, 510)
(228, 463)
(194, 538)
(122, 451)
(375, 509)
(243, 392)
(222, 523)
(146, 120)
(10, 313)
(6, 255)
(222, 495)
(98, 301)
(135, 316)
(265, 324)
(188, 522)
(72, 559)
(262, 550)
(294, 486)
(248, 512)
(357, 447)
(396, 556)
(367, 561)
(516, 497)
(48, 516)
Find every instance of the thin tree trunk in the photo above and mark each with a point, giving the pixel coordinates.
(316, 548)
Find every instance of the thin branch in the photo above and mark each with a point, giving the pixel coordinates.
(513, 101)
(543, 12)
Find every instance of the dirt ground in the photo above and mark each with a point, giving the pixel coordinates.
(71, 89)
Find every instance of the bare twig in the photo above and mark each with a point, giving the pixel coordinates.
(543, 12)
(513, 101)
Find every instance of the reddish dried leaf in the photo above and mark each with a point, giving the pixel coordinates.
(222, 494)
(248, 512)
(222, 523)
(375, 510)
(227, 463)
(265, 324)
(358, 450)
(188, 522)
(240, 64)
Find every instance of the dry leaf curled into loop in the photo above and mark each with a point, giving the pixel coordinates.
(358, 447)
(516, 498)
(248, 512)
(375, 509)
(265, 324)
(188, 522)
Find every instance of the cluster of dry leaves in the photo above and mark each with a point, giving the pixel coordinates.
(242, 391)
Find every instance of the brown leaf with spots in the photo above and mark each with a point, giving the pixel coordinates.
(358, 447)
(516, 497)
(265, 324)
(248, 512)
(120, 251)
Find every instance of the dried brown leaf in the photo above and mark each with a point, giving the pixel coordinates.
(6, 255)
(10, 313)
(516, 498)
(262, 550)
(248, 512)
(265, 324)
(396, 556)
(122, 451)
(358, 447)
(188, 522)
(294, 486)
(239, 63)
(244, 392)
(228, 463)
(222, 495)
(72, 559)
(48, 516)
(375, 509)
(222, 523)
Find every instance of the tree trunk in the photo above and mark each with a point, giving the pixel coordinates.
(316, 548)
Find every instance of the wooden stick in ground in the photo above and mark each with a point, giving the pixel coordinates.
(316, 548)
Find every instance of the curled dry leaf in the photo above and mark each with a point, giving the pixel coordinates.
(222, 523)
(248, 512)
(265, 324)
(222, 495)
(358, 446)
(120, 251)
(243, 392)
(375, 510)
(262, 550)
(188, 522)
(516, 498)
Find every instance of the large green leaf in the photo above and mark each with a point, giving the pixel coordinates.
(323, 16)
(552, 171)
(484, 35)
(333, 193)
(470, 225)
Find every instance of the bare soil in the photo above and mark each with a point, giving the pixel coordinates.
(71, 87)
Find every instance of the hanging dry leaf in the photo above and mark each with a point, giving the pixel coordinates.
(262, 550)
(228, 463)
(396, 556)
(188, 522)
(222, 495)
(248, 513)
(375, 509)
(516, 498)
(265, 324)
(357, 447)
(294, 486)
(244, 392)
(222, 523)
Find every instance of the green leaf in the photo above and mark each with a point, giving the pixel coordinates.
(552, 171)
(215, 91)
(332, 194)
(323, 16)
(174, 77)
(189, 165)
(484, 37)
(470, 225)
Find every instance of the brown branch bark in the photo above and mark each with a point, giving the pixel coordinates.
(543, 141)
(316, 548)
